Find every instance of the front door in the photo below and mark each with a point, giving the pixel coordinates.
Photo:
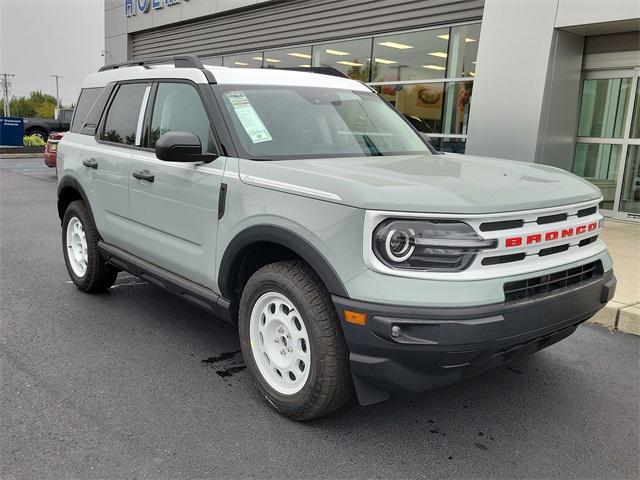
(174, 211)
(608, 145)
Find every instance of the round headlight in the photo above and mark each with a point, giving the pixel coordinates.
(399, 245)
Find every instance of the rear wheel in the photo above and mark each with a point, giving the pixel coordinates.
(292, 341)
(38, 132)
(85, 265)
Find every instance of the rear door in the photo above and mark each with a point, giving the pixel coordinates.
(174, 212)
(106, 161)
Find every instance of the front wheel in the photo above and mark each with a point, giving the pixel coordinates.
(85, 265)
(292, 341)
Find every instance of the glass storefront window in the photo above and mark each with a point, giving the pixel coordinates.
(410, 56)
(288, 58)
(351, 57)
(244, 60)
(432, 107)
(604, 107)
(463, 50)
(450, 145)
(598, 163)
(635, 122)
(421, 104)
(215, 61)
(630, 198)
(457, 107)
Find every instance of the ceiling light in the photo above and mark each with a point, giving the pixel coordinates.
(384, 61)
(299, 55)
(306, 65)
(336, 52)
(350, 64)
(241, 63)
(399, 46)
(272, 60)
(446, 37)
(434, 67)
(473, 63)
(256, 58)
(438, 54)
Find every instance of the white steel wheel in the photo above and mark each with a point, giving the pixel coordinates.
(77, 247)
(280, 343)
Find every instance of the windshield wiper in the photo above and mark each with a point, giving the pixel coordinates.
(371, 146)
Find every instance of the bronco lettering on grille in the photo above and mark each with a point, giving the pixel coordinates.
(550, 235)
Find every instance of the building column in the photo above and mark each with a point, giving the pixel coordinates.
(516, 75)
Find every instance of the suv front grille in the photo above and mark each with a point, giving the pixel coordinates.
(530, 287)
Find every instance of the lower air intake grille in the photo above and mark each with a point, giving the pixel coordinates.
(554, 281)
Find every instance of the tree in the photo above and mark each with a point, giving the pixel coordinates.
(37, 104)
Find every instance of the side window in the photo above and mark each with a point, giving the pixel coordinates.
(121, 124)
(66, 115)
(87, 98)
(178, 107)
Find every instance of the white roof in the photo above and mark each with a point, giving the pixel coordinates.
(224, 76)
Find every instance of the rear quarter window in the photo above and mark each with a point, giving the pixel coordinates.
(88, 97)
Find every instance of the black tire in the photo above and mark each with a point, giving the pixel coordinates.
(98, 276)
(38, 132)
(328, 386)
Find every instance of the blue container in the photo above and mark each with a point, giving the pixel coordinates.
(11, 131)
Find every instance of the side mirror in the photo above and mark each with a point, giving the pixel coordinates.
(181, 147)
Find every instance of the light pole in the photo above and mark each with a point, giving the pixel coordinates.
(57, 77)
(5, 92)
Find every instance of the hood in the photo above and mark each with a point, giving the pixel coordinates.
(449, 183)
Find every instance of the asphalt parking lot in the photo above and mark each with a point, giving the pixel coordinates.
(138, 384)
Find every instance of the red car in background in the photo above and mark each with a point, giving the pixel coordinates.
(51, 150)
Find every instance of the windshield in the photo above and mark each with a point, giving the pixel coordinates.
(274, 123)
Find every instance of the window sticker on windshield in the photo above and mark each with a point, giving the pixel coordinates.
(249, 117)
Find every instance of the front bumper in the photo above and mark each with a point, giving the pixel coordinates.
(432, 347)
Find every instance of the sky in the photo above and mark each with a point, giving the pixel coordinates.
(43, 37)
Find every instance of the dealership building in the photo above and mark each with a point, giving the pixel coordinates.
(546, 81)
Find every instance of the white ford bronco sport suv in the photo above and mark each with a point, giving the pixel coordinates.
(306, 210)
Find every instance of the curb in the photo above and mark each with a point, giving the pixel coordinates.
(619, 316)
(22, 155)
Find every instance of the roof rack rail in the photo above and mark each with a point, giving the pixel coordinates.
(321, 70)
(179, 61)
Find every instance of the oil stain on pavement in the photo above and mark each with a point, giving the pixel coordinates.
(227, 364)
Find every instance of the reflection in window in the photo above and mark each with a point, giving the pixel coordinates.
(630, 199)
(245, 60)
(178, 107)
(598, 163)
(603, 107)
(463, 50)
(288, 58)
(410, 56)
(351, 57)
(421, 104)
(122, 118)
(88, 97)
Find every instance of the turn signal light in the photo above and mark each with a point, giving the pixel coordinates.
(357, 318)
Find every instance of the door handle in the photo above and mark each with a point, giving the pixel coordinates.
(91, 163)
(144, 175)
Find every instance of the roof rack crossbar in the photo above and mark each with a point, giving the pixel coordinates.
(179, 61)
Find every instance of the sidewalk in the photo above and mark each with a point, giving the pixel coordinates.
(623, 312)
